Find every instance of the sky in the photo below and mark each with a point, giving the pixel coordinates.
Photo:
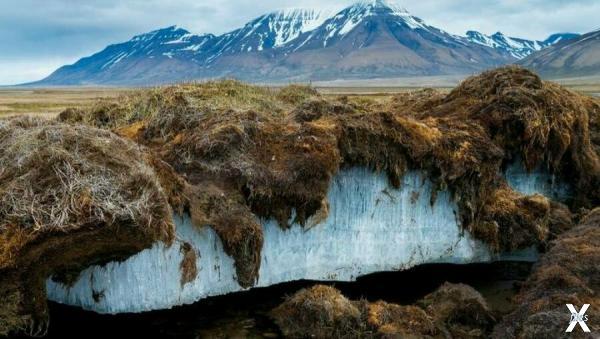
(38, 36)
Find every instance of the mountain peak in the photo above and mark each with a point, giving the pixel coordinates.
(517, 47)
(171, 32)
(557, 37)
(373, 38)
(381, 5)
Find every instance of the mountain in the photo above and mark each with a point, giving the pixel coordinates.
(555, 38)
(379, 39)
(517, 47)
(568, 58)
(370, 39)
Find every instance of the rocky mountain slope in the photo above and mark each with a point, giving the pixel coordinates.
(369, 39)
(517, 47)
(575, 57)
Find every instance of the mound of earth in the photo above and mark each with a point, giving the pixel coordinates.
(452, 311)
(229, 154)
(568, 274)
(257, 152)
(70, 196)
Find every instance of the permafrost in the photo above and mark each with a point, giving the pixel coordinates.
(539, 181)
(371, 227)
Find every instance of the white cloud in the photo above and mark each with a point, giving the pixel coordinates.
(15, 72)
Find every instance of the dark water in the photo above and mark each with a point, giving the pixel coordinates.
(245, 314)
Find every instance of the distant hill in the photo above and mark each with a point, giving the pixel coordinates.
(570, 58)
(370, 39)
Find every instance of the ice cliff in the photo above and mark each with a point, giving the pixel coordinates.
(370, 227)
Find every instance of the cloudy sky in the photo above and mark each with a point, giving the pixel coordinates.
(38, 36)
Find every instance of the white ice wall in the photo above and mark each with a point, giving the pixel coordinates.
(371, 227)
(538, 181)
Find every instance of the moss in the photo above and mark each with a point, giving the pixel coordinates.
(188, 267)
(321, 312)
(567, 274)
(264, 153)
(452, 311)
(70, 196)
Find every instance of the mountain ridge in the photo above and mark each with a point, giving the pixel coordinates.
(568, 58)
(368, 39)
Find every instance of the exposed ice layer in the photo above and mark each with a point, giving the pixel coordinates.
(539, 181)
(371, 227)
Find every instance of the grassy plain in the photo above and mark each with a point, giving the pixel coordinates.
(50, 101)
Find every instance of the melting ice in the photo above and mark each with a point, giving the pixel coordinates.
(371, 227)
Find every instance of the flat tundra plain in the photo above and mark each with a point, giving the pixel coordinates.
(48, 102)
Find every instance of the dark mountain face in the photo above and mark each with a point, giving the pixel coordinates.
(558, 37)
(376, 39)
(367, 40)
(568, 58)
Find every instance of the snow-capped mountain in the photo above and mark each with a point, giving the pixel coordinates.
(568, 57)
(381, 39)
(517, 47)
(558, 37)
(366, 40)
(271, 30)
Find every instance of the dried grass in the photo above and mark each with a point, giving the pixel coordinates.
(568, 274)
(321, 312)
(70, 196)
(244, 152)
(188, 267)
(452, 311)
(459, 311)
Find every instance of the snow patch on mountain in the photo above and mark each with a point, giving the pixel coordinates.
(287, 25)
(517, 47)
(345, 21)
(273, 38)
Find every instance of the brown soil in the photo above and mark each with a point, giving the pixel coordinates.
(188, 268)
(70, 196)
(229, 153)
(568, 274)
(243, 152)
(452, 311)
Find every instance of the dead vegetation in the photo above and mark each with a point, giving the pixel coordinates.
(568, 274)
(245, 152)
(188, 267)
(229, 153)
(321, 312)
(459, 311)
(452, 311)
(70, 196)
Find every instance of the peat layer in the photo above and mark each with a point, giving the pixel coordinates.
(100, 183)
(569, 273)
(452, 311)
(70, 196)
